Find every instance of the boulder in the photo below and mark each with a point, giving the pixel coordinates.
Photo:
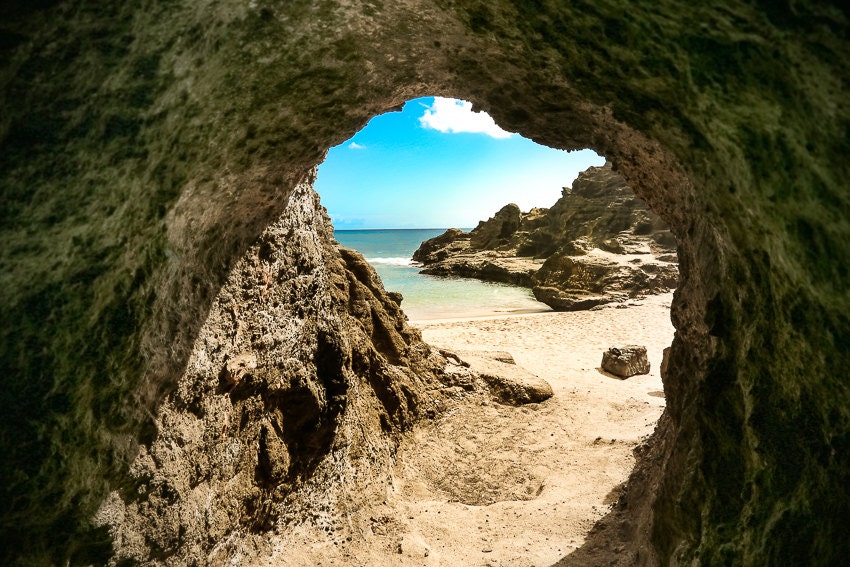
(626, 361)
(509, 383)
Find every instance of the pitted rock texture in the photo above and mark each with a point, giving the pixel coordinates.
(569, 282)
(625, 361)
(299, 383)
(597, 244)
(145, 146)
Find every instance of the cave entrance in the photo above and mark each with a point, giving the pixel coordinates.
(410, 175)
(514, 481)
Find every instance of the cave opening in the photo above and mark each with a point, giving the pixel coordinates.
(569, 456)
(147, 146)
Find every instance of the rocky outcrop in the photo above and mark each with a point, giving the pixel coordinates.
(574, 282)
(487, 265)
(299, 383)
(597, 244)
(146, 146)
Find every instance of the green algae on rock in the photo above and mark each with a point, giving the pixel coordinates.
(147, 145)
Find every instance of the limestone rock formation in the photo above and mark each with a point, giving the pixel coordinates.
(146, 146)
(487, 265)
(573, 282)
(446, 245)
(625, 361)
(497, 231)
(597, 244)
(299, 383)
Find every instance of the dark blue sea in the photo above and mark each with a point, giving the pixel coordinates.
(389, 251)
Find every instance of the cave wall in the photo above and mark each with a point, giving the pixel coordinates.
(300, 381)
(146, 145)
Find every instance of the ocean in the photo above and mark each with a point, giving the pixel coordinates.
(432, 297)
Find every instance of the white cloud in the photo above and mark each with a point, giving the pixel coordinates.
(455, 116)
(356, 146)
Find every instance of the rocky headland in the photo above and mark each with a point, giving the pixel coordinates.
(598, 244)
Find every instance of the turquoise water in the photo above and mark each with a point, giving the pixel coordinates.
(430, 297)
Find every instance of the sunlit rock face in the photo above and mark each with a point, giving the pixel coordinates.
(597, 244)
(147, 146)
(299, 382)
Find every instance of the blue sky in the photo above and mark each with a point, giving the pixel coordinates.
(436, 164)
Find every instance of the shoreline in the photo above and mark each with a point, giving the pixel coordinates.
(461, 316)
(558, 465)
(415, 318)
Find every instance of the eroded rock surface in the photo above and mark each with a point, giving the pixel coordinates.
(146, 146)
(508, 383)
(299, 383)
(625, 361)
(597, 244)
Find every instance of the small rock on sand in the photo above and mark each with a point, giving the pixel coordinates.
(626, 361)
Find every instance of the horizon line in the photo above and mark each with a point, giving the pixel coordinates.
(403, 228)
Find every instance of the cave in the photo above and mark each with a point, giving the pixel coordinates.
(157, 159)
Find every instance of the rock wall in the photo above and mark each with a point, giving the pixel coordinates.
(298, 385)
(147, 145)
(597, 244)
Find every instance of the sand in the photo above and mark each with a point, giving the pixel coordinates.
(488, 484)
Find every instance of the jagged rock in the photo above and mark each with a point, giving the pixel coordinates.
(571, 283)
(236, 369)
(626, 361)
(267, 396)
(441, 247)
(498, 230)
(601, 244)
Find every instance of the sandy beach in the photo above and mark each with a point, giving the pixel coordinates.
(489, 484)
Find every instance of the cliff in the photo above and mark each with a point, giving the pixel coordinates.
(597, 244)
